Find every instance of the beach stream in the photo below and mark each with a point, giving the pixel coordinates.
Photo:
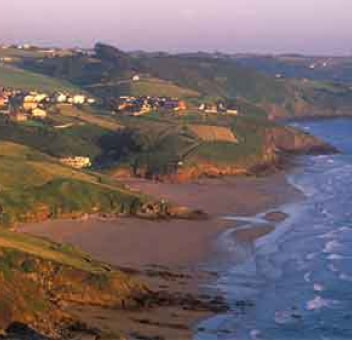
(295, 282)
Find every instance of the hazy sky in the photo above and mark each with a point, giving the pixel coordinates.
(309, 26)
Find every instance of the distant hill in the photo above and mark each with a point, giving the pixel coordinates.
(331, 69)
(216, 78)
(238, 80)
(146, 86)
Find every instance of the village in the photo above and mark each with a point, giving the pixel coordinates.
(138, 106)
(21, 106)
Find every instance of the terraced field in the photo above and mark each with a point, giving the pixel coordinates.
(212, 133)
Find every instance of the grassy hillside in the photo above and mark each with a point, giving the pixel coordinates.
(37, 187)
(159, 87)
(147, 86)
(217, 78)
(11, 76)
(38, 277)
(77, 140)
(89, 116)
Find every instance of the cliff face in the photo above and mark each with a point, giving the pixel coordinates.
(259, 147)
(278, 142)
(291, 140)
(33, 291)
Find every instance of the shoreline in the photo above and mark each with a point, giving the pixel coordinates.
(171, 255)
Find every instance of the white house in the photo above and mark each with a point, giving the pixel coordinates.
(91, 101)
(39, 113)
(79, 99)
(39, 97)
(61, 98)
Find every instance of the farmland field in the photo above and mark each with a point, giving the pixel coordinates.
(211, 133)
(89, 117)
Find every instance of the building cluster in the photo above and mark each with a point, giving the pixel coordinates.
(23, 105)
(138, 106)
(218, 108)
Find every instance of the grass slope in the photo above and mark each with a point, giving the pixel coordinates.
(11, 76)
(35, 187)
(78, 140)
(86, 115)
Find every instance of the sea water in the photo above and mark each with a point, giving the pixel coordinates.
(296, 282)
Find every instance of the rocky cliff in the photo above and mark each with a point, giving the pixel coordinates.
(278, 143)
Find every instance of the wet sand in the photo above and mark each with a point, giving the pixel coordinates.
(135, 242)
(176, 245)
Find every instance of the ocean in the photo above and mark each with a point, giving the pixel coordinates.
(296, 282)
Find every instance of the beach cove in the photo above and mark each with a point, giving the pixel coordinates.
(171, 255)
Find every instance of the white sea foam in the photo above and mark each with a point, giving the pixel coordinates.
(332, 246)
(307, 277)
(330, 234)
(335, 257)
(343, 229)
(311, 256)
(332, 268)
(255, 334)
(283, 317)
(345, 277)
(317, 303)
(318, 287)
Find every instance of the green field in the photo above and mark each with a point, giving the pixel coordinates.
(11, 76)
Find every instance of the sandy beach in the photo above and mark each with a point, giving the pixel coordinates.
(174, 246)
(135, 242)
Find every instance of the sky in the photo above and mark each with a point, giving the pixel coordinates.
(235, 26)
